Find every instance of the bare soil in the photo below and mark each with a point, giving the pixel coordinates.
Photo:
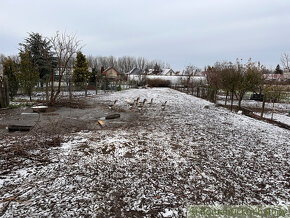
(80, 114)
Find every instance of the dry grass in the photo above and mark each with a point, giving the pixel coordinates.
(33, 146)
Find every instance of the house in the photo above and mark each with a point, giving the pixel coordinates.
(112, 74)
(136, 72)
(167, 72)
(274, 77)
(151, 72)
(161, 72)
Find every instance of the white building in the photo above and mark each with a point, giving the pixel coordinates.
(162, 72)
(286, 75)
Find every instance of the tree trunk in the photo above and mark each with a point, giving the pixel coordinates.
(214, 96)
(240, 101)
(52, 87)
(241, 95)
(58, 88)
(226, 98)
(272, 110)
(237, 98)
(232, 100)
(263, 106)
(70, 90)
(46, 90)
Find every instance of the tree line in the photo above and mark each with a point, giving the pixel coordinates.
(41, 57)
(236, 79)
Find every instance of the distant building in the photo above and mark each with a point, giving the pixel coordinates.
(136, 72)
(161, 72)
(167, 72)
(112, 74)
(286, 74)
(274, 77)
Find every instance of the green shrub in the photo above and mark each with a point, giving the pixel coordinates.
(158, 83)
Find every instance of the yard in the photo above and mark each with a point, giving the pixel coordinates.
(151, 163)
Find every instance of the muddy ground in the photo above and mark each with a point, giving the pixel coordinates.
(83, 114)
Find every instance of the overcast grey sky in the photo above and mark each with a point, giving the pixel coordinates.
(179, 32)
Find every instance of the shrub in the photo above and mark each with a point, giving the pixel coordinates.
(158, 83)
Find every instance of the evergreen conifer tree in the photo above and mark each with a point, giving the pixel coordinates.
(39, 50)
(28, 76)
(81, 74)
(278, 70)
(10, 70)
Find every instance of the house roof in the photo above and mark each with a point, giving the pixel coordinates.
(135, 71)
(109, 68)
(163, 71)
(166, 71)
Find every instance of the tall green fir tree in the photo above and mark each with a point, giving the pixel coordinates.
(28, 76)
(40, 54)
(81, 74)
(10, 69)
(278, 70)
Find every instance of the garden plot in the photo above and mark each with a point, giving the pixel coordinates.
(156, 164)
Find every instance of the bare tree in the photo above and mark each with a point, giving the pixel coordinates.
(111, 61)
(285, 60)
(190, 71)
(141, 63)
(161, 64)
(64, 47)
(250, 79)
(92, 62)
(214, 80)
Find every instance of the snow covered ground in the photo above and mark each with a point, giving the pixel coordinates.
(280, 110)
(283, 118)
(190, 153)
(258, 104)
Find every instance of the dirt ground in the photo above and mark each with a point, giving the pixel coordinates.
(82, 115)
(152, 163)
